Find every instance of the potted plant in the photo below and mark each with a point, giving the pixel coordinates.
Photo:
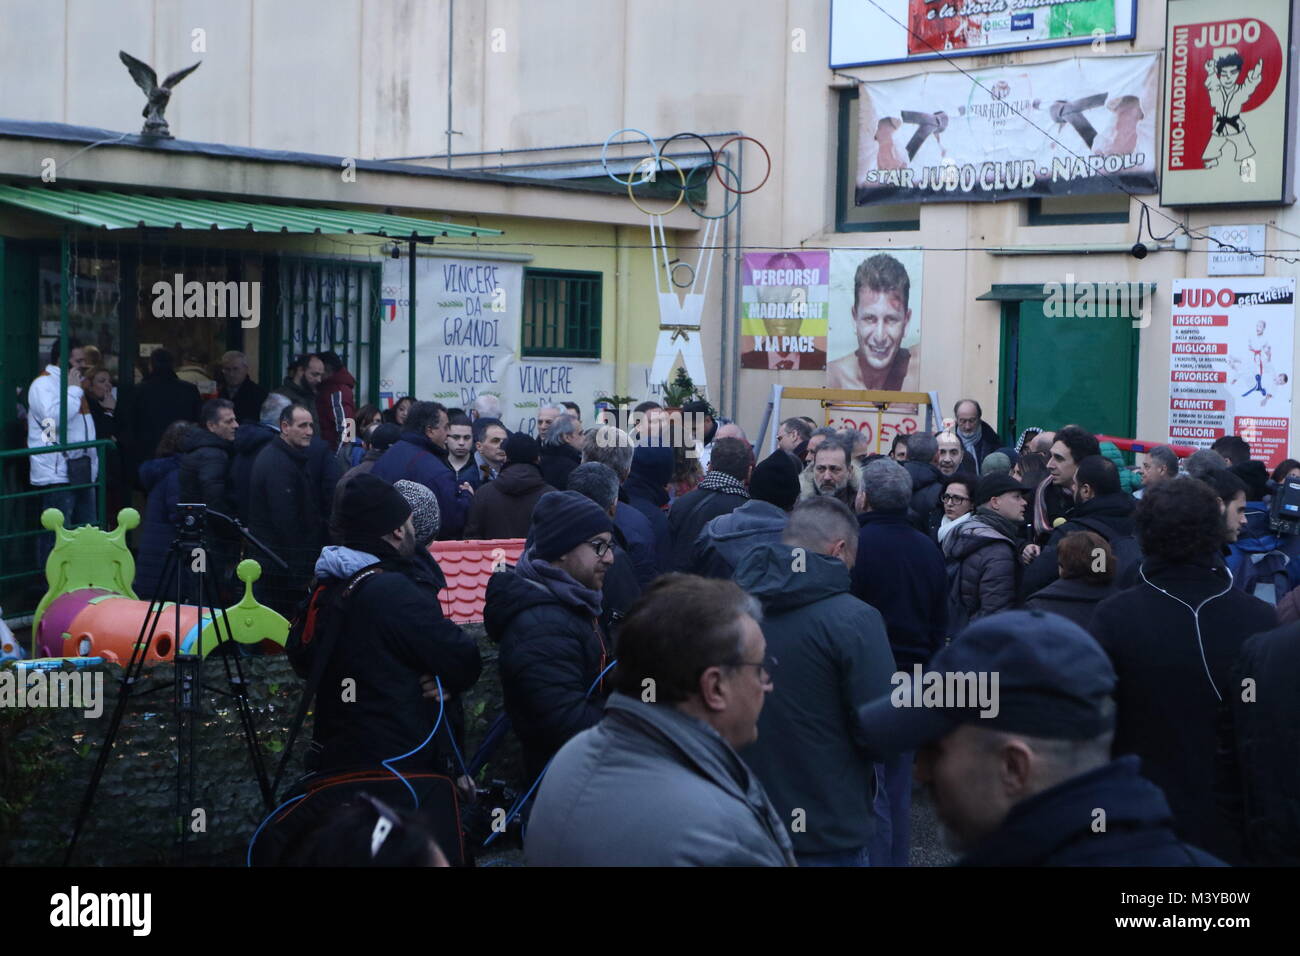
(679, 391)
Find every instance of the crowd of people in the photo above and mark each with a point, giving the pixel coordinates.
(712, 657)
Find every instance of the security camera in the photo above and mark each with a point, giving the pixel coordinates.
(1139, 251)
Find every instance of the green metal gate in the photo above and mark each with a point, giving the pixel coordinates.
(322, 305)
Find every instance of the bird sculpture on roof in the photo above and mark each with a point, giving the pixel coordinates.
(147, 80)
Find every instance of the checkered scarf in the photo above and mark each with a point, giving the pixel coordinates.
(717, 481)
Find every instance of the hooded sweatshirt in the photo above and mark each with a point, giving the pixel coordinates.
(728, 538)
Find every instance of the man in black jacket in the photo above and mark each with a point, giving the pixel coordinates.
(205, 461)
(722, 491)
(392, 685)
(1100, 506)
(237, 386)
(1259, 773)
(978, 438)
(545, 616)
(925, 510)
(285, 511)
(1013, 726)
(561, 451)
(1173, 639)
(159, 400)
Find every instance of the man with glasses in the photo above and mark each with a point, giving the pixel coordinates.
(978, 438)
(657, 782)
(835, 657)
(545, 615)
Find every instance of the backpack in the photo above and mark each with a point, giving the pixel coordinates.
(1128, 555)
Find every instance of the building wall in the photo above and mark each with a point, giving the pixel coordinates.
(368, 78)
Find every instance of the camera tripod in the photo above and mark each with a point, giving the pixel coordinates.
(189, 544)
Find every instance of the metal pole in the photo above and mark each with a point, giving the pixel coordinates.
(723, 384)
(410, 324)
(65, 260)
(451, 12)
(737, 273)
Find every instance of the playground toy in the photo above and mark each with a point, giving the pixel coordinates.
(90, 609)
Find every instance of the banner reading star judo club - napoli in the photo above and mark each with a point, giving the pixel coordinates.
(1068, 127)
(1230, 363)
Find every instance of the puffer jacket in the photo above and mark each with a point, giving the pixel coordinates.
(924, 510)
(1113, 512)
(988, 558)
(728, 538)
(552, 654)
(335, 404)
(205, 470)
(652, 786)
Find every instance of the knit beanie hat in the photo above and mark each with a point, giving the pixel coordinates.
(425, 514)
(371, 508)
(521, 449)
(562, 520)
(776, 480)
(996, 463)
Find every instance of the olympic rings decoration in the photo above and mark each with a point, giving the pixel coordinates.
(680, 195)
(604, 152)
(689, 268)
(710, 166)
(766, 155)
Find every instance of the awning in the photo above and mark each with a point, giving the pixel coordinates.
(112, 210)
(1038, 291)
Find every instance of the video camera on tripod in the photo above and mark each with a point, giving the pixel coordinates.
(1284, 512)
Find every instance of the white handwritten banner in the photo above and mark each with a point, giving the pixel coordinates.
(467, 342)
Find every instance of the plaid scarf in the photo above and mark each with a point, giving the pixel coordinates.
(717, 481)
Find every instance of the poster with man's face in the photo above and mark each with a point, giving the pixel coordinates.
(874, 338)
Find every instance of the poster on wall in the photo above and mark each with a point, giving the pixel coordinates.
(887, 31)
(466, 343)
(1068, 127)
(874, 334)
(784, 311)
(1230, 363)
(1227, 113)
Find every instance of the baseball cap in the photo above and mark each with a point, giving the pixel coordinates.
(1037, 673)
(990, 486)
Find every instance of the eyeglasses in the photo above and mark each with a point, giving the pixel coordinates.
(953, 499)
(601, 547)
(967, 421)
(765, 667)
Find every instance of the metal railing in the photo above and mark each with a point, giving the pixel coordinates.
(17, 561)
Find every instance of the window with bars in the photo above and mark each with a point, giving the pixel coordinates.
(561, 314)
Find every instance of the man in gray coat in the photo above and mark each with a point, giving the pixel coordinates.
(834, 658)
(658, 782)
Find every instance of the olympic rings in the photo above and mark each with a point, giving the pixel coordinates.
(687, 180)
(689, 268)
(680, 195)
(766, 155)
(604, 152)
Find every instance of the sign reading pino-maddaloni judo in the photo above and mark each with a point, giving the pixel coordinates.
(1069, 127)
(1226, 111)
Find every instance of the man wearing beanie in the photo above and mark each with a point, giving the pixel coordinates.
(504, 508)
(381, 438)
(984, 553)
(724, 540)
(393, 637)
(544, 614)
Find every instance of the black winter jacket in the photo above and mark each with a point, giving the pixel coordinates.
(688, 516)
(551, 655)
(1260, 749)
(156, 402)
(284, 508)
(989, 563)
(1113, 512)
(393, 633)
(925, 511)
(1055, 827)
(1174, 669)
(1071, 598)
(900, 572)
(205, 470)
(556, 463)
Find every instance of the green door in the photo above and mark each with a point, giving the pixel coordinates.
(1061, 371)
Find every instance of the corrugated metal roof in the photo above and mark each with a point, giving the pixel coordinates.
(112, 210)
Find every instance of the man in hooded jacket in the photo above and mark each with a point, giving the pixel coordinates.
(504, 508)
